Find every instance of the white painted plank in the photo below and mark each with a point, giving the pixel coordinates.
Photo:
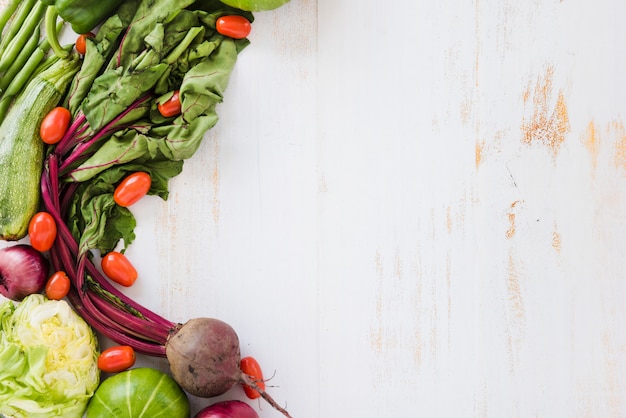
(412, 208)
(453, 199)
(237, 239)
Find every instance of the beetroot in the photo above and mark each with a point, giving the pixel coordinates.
(204, 357)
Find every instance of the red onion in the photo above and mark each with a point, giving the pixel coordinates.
(228, 409)
(23, 271)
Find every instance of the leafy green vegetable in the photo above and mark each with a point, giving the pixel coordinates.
(150, 50)
(49, 359)
(97, 220)
(99, 52)
(201, 90)
(141, 55)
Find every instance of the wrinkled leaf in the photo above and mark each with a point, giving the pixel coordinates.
(99, 53)
(97, 222)
(169, 45)
(202, 89)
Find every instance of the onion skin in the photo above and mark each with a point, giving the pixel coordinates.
(228, 409)
(23, 271)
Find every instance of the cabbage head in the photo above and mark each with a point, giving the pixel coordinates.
(48, 359)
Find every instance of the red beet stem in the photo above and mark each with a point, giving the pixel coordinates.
(104, 307)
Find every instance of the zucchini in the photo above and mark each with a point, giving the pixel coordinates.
(21, 148)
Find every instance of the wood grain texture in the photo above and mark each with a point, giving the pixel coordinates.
(412, 209)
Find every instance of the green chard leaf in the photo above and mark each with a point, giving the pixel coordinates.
(104, 45)
(97, 222)
(168, 45)
(201, 90)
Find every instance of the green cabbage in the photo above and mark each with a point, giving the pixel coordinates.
(48, 358)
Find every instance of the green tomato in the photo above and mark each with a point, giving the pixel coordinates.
(255, 5)
(143, 391)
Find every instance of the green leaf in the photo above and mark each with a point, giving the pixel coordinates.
(169, 45)
(115, 91)
(99, 52)
(98, 222)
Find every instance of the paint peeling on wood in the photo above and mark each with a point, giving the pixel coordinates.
(556, 240)
(591, 142)
(445, 282)
(376, 333)
(511, 216)
(612, 379)
(215, 180)
(617, 131)
(510, 233)
(606, 145)
(548, 121)
(480, 149)
(517, 311)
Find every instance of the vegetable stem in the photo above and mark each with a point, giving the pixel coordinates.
(64, 259)
(102, 305)
(68, 141)
(248, 380)
(81, 148)
(53, 36)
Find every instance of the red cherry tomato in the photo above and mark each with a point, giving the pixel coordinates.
(118, 268)
(42, 231)
(233, 26)
(251, 367)
(54, 125)
(171, 107)
(116, 359)
(81, 42)
(132, 188)
(57, 286)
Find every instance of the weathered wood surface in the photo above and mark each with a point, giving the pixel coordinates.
(412, 208)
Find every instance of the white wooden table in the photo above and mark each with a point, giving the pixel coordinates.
(412, 208)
